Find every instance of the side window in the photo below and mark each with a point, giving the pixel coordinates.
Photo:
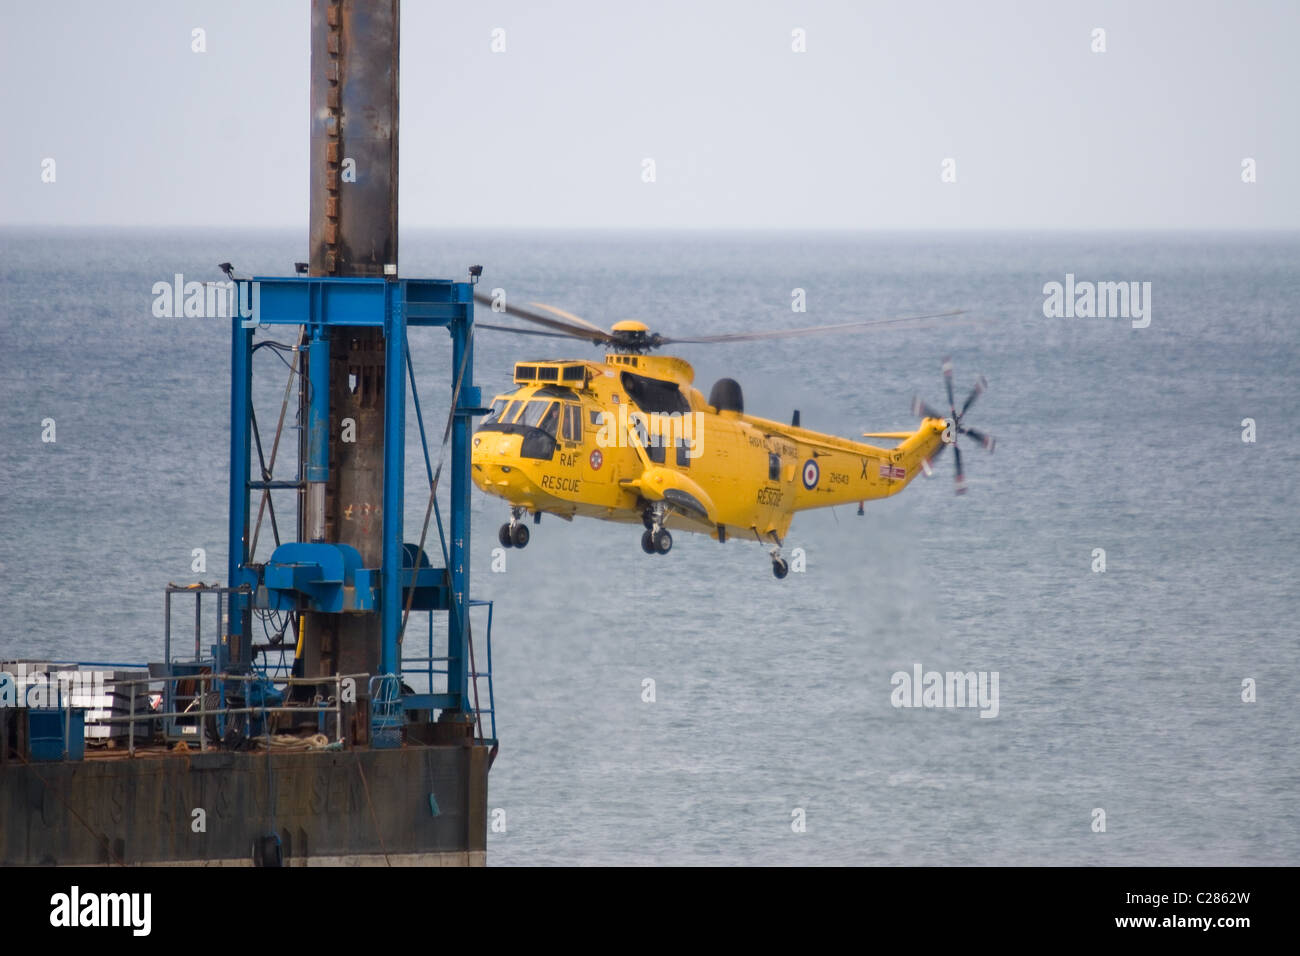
(773, 467)
(572, 422)
(595, 417)
(551, 420)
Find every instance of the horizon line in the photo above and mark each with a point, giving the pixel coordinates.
(479, 229)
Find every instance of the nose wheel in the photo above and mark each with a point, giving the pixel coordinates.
(514, 533)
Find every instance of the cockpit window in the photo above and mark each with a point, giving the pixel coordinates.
(494, 414)
(551, 421)
(572, 422)
(512, 412)
(534, 412)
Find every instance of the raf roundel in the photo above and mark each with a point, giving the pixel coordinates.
(597, 459)
(810, 474)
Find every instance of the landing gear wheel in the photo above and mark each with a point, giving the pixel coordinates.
(780, 568)
(504, 537)
(519, 535)
(648, 543)
(663, 541)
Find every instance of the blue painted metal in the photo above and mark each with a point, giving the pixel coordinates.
(333, 301)
(462, 427)
(318, 408)
(327, 577)
(394, 482)
(386, 715)
(241, 386)
(430, 583)
(424, 446)
(57, 733)
(491, 709)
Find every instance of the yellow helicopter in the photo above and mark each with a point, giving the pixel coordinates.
(631, 439)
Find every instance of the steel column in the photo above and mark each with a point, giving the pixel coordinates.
(354, 111)
(394, 481)
(462, 429)
(318, 431)
(241, 387)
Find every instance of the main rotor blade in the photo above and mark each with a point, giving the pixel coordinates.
(988, 441)
(519, 331)
(947, 383)
(576, 320)
(807, 330)
(575, 331)
(961, 475)
(921, 410)
(976, 392)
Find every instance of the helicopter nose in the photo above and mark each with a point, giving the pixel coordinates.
(495, 457)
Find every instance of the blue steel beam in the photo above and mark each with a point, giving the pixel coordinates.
(465, 395)
(241, 385)
(318, 407)
(285, 300)
(394, 483)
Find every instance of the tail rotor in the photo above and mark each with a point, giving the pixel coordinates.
(956, 428)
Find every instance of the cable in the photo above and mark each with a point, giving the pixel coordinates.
(291, 742)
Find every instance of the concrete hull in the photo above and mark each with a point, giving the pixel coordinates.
(347, 808)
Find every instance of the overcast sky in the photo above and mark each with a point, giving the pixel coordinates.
(744, 132)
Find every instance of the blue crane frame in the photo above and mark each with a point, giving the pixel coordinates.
(321, 304)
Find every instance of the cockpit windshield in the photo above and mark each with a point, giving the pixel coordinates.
(541, 414)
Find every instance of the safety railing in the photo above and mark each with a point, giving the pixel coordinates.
(386, 716)
(207, 702)
(198, 590)
(204, 707)
(434, 670)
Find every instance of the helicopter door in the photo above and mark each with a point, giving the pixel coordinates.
(572, 428)
(570, 434)
(540, 421)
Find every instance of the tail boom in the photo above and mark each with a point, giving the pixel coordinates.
(849, 472)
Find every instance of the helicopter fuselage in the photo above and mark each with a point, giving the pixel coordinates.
(631, 437)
